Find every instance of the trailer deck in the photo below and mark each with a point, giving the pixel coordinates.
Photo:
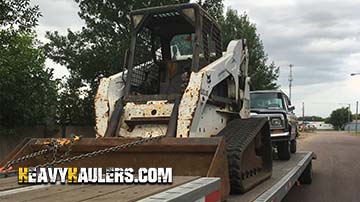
(285, 174)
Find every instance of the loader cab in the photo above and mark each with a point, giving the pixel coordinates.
(167, 44)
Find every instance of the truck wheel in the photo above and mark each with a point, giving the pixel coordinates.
(306, 176)
(293, 146)
(283, 148)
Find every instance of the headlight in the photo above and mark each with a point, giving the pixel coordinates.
(276, 122)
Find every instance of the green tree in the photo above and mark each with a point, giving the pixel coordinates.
(339, 118)
(354, 116)
(311, 118)
(18, 15)
(72, 100)
(234, 26)
(97, 50)
(214, 7)
(27, 93)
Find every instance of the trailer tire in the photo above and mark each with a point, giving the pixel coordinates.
(293, 146)
(306, 176)
(283, 148)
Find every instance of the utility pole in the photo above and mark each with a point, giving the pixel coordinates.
(356, 117)
(290, 80)
(349, 118)
(357, 106)
(303, 112)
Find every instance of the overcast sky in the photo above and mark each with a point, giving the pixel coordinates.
(320, 38)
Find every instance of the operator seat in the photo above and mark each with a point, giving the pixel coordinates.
(174, 78)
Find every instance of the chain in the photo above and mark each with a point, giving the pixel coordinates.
(101, 152)
(25, 158)
(69, 149)
(54, 147)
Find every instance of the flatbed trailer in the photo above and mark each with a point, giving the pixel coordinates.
(184, 188)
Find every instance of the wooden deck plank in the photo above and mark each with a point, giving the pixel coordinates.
(63, 192)
(86, 192)
(140, 191)
(9, 183)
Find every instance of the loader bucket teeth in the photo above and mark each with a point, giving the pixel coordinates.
(186, 156)
(249, 152)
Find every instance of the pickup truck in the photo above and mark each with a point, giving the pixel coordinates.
(276, 106)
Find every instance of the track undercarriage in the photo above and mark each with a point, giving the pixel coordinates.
(249, 153)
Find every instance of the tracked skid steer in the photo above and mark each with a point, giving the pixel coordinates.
(181, 102)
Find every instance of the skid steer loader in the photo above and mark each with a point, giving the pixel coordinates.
(181, 103)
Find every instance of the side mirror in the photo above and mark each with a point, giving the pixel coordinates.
(291, 108)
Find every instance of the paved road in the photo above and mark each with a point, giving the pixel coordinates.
(336, 172)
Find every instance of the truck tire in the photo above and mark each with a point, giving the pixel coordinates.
(283, 148)
(306, 176)
(293, 146)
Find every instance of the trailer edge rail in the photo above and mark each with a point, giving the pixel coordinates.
(277, 192)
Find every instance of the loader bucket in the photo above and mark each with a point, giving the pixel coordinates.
(186, 156)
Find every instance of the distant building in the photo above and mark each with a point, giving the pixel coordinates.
(352, 126)
(319, 125)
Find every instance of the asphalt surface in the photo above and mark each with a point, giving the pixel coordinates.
(336, 171)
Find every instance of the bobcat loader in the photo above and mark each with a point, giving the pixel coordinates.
(181, 102)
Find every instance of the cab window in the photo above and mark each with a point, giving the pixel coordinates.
(267, 101)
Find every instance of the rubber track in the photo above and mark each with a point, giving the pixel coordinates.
(238, 134)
